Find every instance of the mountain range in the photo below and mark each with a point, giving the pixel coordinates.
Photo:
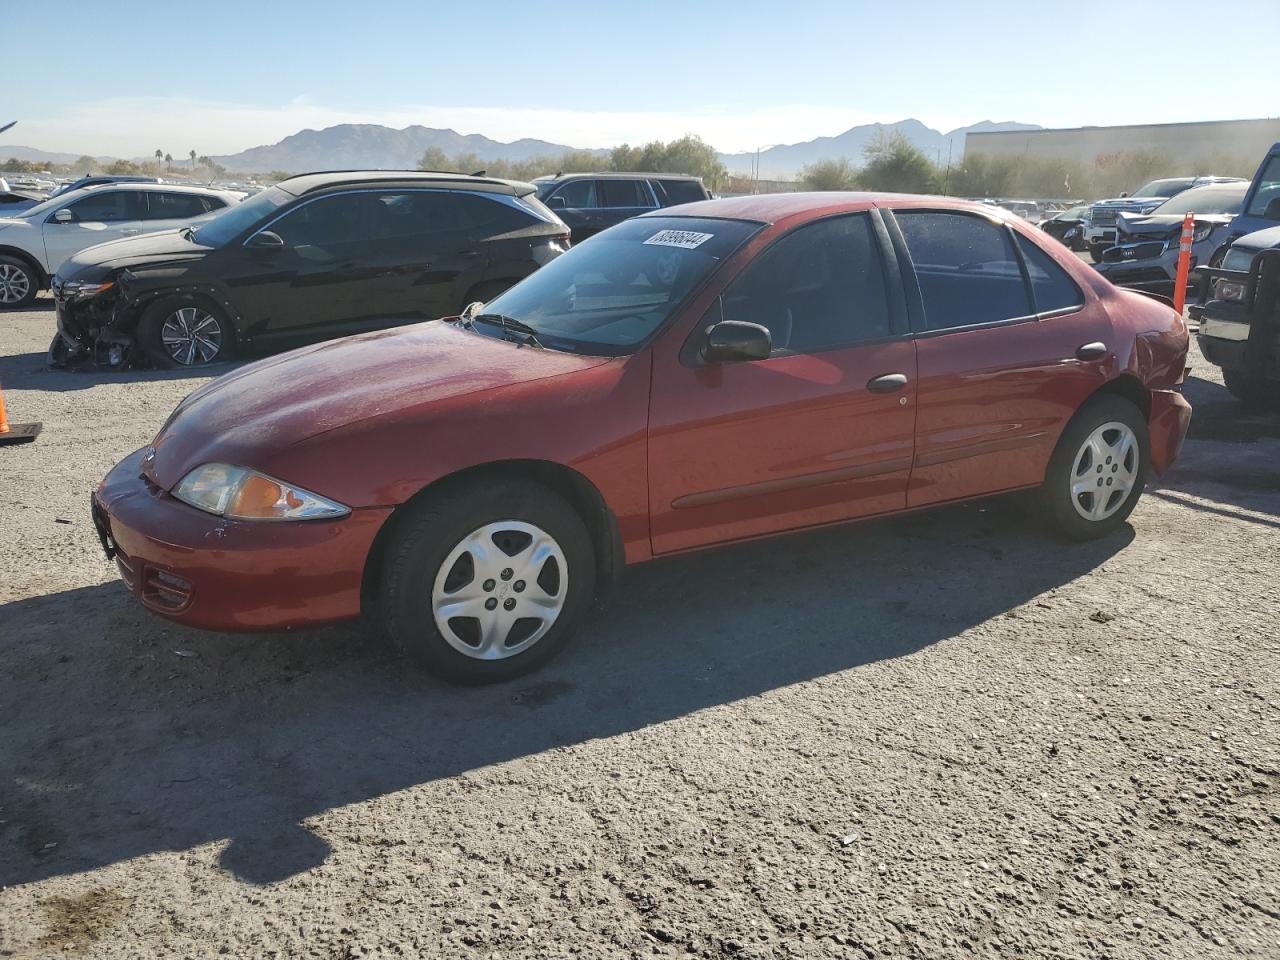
(371, 146)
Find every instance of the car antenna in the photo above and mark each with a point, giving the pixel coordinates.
(480, 173)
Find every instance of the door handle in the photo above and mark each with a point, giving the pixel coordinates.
(887, 383)
(1091, 351)
(131, 231)
(471, 254)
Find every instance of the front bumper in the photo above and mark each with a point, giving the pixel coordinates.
(1170, 418)
(219, 574)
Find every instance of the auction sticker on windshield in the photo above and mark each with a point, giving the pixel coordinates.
(685, 239)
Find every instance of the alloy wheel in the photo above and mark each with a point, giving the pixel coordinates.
(15, 285)
(191, 336)
(500, 590)
(1106, 469)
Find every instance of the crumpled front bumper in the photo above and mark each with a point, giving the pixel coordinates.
(1168, 423)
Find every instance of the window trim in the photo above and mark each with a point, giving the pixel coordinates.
(1031, 290)
(691, 355)
(98, 193)
(556, 193)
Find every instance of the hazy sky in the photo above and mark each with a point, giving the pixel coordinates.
(124, 78)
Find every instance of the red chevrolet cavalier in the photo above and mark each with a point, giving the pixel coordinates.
(721, 371)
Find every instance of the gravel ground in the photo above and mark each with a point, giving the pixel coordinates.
(939, 736)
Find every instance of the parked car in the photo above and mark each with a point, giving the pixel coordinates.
(316, 256)
(733, 369)
(1028, 210)
(15, 201)
(34, 242)
(98, 180)
(1101, 231)
(591, 202)
(1146, 252)
(1068, 226)
(1240, 320)
(1261, 207)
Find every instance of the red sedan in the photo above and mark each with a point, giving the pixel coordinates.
(727, 370)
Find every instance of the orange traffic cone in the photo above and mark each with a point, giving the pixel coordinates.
(15, 432)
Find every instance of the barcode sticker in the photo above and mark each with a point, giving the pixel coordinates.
(685, 239)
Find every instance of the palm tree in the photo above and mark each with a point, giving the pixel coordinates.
(168, 161)
(192, 155)
(159, 157)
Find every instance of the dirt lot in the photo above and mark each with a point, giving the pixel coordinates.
(941, 736)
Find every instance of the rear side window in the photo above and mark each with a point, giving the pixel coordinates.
(1051, 287)
(488, 216)
(624, 193)
(177, 206)
(673, 192)
(821, 286)
(967, 268)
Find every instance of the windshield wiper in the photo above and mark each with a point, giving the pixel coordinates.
(512, 324)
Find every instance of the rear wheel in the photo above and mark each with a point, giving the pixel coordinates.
(1251, 389)
(1098, 470)
(19, 283)
(177, 332)
(486, 583)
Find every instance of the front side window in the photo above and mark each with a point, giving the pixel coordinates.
(820, 287)
(327, 221)
(608, 295)
(108, 206)
(966, 266)
(578, 195)
(1264, 202)
(1051, 286)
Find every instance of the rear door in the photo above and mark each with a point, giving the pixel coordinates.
(105, 214)
(623, 199)
(819, 431)
(998, 327)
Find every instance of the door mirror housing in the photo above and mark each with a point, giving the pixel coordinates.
(64, 215)
(736, 341)
(265, 240)
(558, 203)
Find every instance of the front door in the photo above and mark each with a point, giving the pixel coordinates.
(105, 214)
(821, 430)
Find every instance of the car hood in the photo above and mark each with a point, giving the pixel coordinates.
(1259, 240)
(149, 248)
(1130, 202)
(251, 415)
(1159, 225)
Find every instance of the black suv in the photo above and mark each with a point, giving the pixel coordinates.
(591, 202)
(316, 256)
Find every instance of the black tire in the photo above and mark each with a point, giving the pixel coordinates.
(150, 339)
(60, 355)
(1057, 505)
(19, 280)
(428, 535)
(1251, 389)
(1096, 250)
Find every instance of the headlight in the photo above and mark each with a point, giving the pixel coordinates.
(1202, 231)
(1233, 290)
(83, 289)
(241, 494)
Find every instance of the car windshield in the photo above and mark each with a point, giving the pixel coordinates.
(607, 295)
(1218, 198)
(236, 219)
(1162, 188)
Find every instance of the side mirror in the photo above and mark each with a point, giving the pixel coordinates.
(63, 216)
(557, 203)
(1124, 194)
(734, 341)
(265, 240)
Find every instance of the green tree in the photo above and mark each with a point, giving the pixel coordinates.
(433, 158)
(159, 157)
(829, 175)
(86, 163)
(168, 161)
(894, 163)
(192, 155)
(690, 155)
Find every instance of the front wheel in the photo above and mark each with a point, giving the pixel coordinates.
(486, 583)
(177, 332)
(19, 283)
(1098, 470)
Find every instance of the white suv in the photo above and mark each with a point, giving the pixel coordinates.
(35, 241)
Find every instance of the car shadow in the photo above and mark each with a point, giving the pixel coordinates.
(126, 735)
(31, 371)
(1230, 465)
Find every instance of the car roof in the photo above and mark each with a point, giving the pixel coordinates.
(305, 183)
(197, 188)
(773, 207)
(616, 175)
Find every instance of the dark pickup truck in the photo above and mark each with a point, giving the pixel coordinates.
(591, 202)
